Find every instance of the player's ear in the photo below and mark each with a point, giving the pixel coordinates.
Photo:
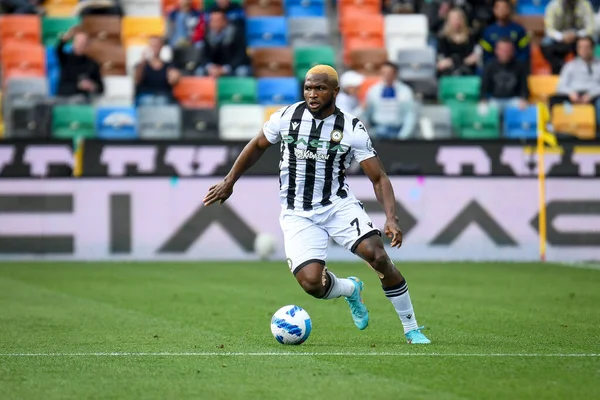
(336, 91)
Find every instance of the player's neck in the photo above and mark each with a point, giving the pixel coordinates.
(324, 113)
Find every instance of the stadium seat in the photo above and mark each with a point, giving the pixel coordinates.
(170, 5)
(477, 125)
(363, 7)
(368, 61)
(54, 28)
(539, 65)
(196, 92)
(200, 123)
(26, 88)
(240, 122)
(137, 30)
(52, 69)
(308, 32)
(307, 57)
(269, 110)
(263, 8)
(541, 87)
(407, 31)
(366, 85)
(159, 122)
(278, 90)
(459, 88)
(531, 7)
(118, 91)
(116, 123)
(73, 121)
(266, 32)
(271, 62)
(236, 90)
(434, 122)
(102, 27)
(23, 60)
(578, 120)
(424, 89)
(110, 56)
(364, 26)
(60, 8)
(142, 8)
(20, 29)
(30, 121)
(417, 64)
(520, 124)
(133, 55)
(304, 8)
(533, 24)
(187, 59)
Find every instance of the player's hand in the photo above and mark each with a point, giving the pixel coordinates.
(219, 192)
(392, 230)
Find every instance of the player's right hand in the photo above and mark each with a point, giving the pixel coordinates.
(219, 192)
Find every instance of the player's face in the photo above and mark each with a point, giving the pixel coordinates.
(319, 94)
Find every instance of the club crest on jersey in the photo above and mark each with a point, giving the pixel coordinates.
(337, 136)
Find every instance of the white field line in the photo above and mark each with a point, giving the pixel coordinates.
(299, 354)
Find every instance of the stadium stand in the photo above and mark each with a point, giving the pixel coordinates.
(284, 38)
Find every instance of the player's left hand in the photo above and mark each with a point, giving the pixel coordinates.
(219, 192)
(392, 230)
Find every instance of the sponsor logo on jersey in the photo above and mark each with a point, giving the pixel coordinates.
(315, 144)
(309, 155)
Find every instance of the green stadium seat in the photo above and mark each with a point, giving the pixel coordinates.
(53, 28)
(476, 125)
(307, 57)
(208, 4)
(459, 88)
(232, 90)
(597, 51)
(72, 121)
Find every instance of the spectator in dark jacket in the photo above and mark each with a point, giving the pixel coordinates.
(456, 46)
(154, 78)
(224, 49)
(80, 76)
(504, 81)
(183, 23)
(234, 12)
(505, 27)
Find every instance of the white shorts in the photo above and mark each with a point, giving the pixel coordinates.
(306, 234)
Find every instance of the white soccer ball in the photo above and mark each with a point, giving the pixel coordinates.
(291, 325)
(265, 245)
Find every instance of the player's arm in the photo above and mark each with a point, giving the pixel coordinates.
(385, 196)
(247, 158)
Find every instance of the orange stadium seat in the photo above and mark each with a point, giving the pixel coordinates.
(196, 92)
(269, 110)
(102, 27)
(362, 7)
(275, 61)
(20, 29)
(137, 30)
(170, 5)
(23, 60)
(579, 121)
(263, 8)
(539, 65)
(367, 61)
(366, 85)
(355, 24)
(354, 43)
(541, 87)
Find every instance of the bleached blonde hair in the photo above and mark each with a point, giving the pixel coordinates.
(331, 73)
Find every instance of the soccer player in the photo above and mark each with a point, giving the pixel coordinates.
(318, 142)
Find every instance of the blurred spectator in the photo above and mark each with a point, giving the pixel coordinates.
(185, 25)
(347, 98)
(504, 80)
(80, 76)
(505, 27)
(154, 78)
(437, 15)
(456, 47)
(20, 6)
(98, 7)
(565, 20)
(224, 49)
(399, 6)
(234, 11)
(390, 107)
(579, 81)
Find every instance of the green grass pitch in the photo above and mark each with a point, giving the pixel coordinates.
(201, 331)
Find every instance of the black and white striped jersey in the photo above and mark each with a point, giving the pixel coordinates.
(315, 154)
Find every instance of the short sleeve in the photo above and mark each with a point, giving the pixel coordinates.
(272, 128)
(362, 147)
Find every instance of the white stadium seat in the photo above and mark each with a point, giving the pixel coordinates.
(142, 8)
(407, 31)
(240, 121)
(135, 54)
(118, 91)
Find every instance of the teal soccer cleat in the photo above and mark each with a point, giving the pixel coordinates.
(359, 311)
(416, 337)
